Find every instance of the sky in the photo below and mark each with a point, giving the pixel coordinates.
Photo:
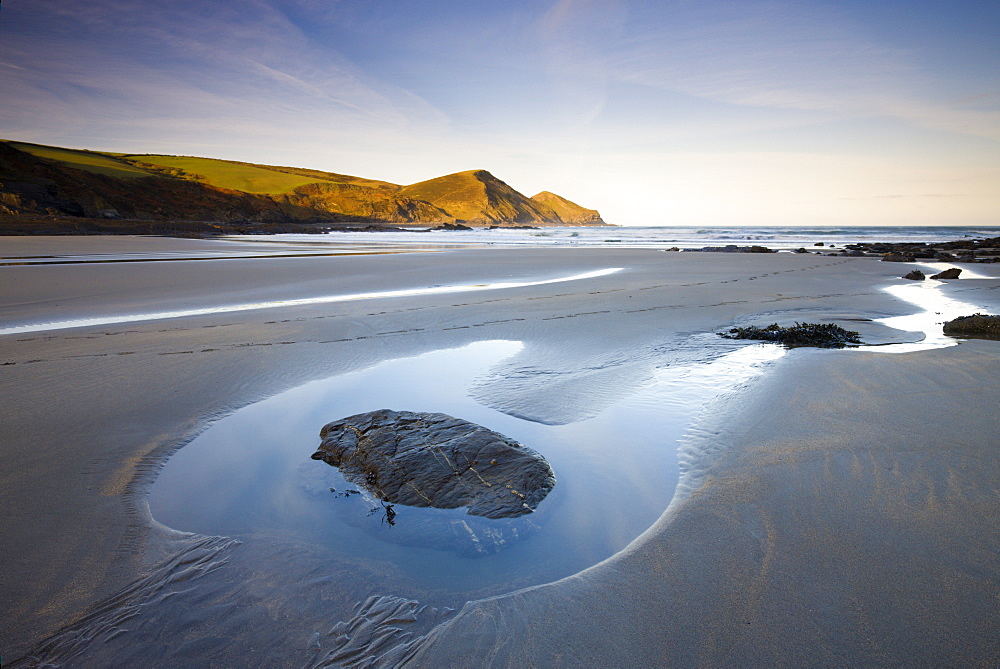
(700, 113)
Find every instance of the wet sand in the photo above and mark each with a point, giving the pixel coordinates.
(840, 509)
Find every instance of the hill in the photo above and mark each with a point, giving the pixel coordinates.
(477, 197)
(570, 212)
(59, 183)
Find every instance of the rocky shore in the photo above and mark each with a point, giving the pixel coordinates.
(963, 250)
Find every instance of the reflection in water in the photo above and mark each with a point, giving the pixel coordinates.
(616, 472)
(389, 517)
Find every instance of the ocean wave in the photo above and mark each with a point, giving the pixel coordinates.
(776, 237)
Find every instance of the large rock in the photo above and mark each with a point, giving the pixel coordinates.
(432, 459)
(950, 273)
(915, 275)
(976, 325)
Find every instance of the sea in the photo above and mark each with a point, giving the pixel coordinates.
(778, 238)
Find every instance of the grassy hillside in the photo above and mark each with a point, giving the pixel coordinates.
(570, 212)
(479, 198)
(461, 195)
(224, 174)
(332, 177)
(47, 181)
(89, 161)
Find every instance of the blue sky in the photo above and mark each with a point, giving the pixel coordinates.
(665, 113)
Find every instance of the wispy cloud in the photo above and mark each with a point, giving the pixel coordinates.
(572, 37)
(207, 56)
(709, 109)
(799, 56)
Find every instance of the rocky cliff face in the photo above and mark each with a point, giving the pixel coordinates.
(350, 202)
(51, 181)
(477, 197)
(569, 212)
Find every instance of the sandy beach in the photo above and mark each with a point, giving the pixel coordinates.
(838, 509)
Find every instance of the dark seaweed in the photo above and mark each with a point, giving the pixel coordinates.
(822, 335)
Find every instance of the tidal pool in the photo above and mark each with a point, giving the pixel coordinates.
(251, 473)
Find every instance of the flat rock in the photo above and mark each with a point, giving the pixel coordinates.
(436, 460)
(733, 248)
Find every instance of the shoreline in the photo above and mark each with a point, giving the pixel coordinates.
(40, 225)
(116, 393)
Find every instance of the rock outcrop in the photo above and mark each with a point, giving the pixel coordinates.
(570, 212)
(476, 197)
(950, 273)
(960, 250)
(733, 248)
(432, 459)
(976, 325)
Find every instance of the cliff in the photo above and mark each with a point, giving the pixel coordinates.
(38, 180)
(477, 197)
(569, 212)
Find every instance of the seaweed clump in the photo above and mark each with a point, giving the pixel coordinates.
(976, 325)
(822, 335)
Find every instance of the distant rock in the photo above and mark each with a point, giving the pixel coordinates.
(961, 250)
(731, 248)
(897, 257)
(915, 275)
(950, 273)
(432, 459)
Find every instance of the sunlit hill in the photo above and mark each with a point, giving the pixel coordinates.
(46, 181)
